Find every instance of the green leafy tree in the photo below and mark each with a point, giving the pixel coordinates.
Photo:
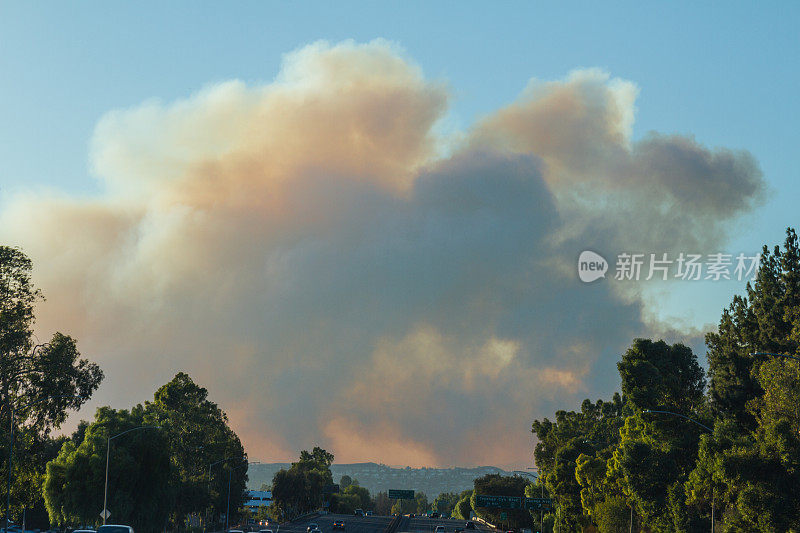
(444, 503)
(463, 508)
(421, 500)
(138, 480)
(747, 469)
(362, 493)
(199, 434)
(766, 320)
(300, 489)
(498, 485)
(592, 432)
(382, 504)
(40, 381)
(657, 452)
(345, 482)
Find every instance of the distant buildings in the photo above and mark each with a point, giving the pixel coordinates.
(379, 477)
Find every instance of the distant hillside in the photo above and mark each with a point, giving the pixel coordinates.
(376, 477)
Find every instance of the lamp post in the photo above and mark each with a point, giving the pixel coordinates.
(108, 454)
(692, 420)
(11, 443)
(230, 477)
(209, 483)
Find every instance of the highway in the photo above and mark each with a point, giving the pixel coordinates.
(353, 524)
(377, 524)
(423, 525)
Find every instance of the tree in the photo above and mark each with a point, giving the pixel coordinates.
(444, 503)
(199, 435)
(593, 432)
(40, 381)
(766, 320)
(463, 509)
(299, 489)
(421, 500)
(656, 375)
(657, 452)
(138, 479)
(345, 482)
(382, 504)
(497, 485)
(748, 467)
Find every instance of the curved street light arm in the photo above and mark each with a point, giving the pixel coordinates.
(771, 354)
(680, 415)
(108, 455)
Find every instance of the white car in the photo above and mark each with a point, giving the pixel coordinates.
(439, 529)
(114, 528)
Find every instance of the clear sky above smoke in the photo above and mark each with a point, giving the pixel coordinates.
(368, 241)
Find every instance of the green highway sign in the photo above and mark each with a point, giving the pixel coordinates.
(539, 504)
(401, 494)
(498, 502)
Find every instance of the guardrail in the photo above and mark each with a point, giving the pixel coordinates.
(394, 525)
(484, 522)
(306, 516)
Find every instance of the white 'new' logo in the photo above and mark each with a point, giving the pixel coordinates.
(591, 266)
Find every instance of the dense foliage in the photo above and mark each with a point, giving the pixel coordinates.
(729, 445)
(301, 488)
(39, 383)
(158, 474)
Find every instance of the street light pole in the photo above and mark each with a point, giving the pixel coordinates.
(10, 455)
(230, 477)
(108, 454)
(209, 481)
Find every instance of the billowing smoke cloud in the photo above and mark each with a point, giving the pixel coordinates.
(304, 249)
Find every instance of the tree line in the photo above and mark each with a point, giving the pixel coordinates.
(157, 476)
(680, 443)
(308, 486)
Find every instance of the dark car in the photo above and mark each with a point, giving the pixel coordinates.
(470, 525)
(338, 524)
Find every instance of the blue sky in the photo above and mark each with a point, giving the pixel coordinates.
(725, 73)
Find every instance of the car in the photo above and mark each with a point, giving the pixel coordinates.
(367, 513)
(435, 515)
(311, 527)
(235, 531)
(73, 531)
(338, 524)
(470, 525)
(114, 528)
(439, 529)
(264, 531)
(358, 512)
